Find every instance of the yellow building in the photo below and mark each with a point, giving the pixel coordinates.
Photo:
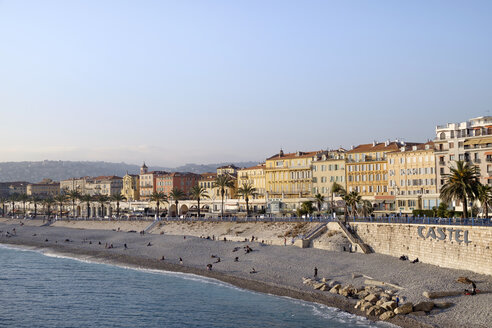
(131, 187)
(413, 177)
(289, 175)
(328, 168)
(228, 169)
(254, 176)
(43, 189)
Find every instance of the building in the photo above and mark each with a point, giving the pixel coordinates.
(44, 189)
(10, 188)
(255, 176)
(328, 168)
(228, 169)
(289, 175)
(412, 178)
(78, 184)
(469, 141)
(147, 181)
(131, 187)
(183, 181)
(104, 185)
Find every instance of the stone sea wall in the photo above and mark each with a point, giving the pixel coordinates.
(457, 247)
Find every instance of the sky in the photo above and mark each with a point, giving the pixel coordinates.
(175, 82)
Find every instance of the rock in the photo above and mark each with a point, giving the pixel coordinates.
(324, 288)
(365, 305)
(347, 291)
(443, 305)
(380, 302)
(334, 290)
(371, 298)
(358, 304)
(404, 309)
(442, 294)
(423, 306)
(385, 295)
(356, 275)
(387, 315)
(418, 313)
(318, 285)
(332, 283)
(389, 292)
(362, 294)
(390, 305)
(307, 281)
(325, 279)
(375, 311)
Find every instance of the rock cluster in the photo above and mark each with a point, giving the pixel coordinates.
(374, 301)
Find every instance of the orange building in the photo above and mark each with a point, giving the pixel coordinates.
(183, 181)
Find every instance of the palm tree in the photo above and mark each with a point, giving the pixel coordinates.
(485, 198)
(319, 201)
(60, 199)
(73, 195)
(118, 198)
(23, 198)
(3, 200)
(12, 199)
(87, 199)
(366, 208)
(48, 202)
(353, 199)
(461, 184)
(158, 197)
(101, 199)
(222, 182)
(307, 207)
(198, 192)
(245, 191)
(338, 189)
(176, 195)
(35, 200)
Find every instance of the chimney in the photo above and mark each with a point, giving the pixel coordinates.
(387, 143)
(374, 143)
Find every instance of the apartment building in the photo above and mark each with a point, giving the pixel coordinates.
(328, 168)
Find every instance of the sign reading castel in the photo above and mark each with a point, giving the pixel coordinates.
(439, 233)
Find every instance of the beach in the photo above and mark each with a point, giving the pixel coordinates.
(279, 269)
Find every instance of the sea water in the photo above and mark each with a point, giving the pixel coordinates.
(37, 290)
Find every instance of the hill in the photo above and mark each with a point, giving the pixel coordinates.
(60, 170)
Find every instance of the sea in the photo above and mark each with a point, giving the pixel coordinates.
(43, 289)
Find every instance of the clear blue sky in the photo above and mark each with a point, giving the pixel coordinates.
(171, 82)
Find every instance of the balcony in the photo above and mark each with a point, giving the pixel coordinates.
(442, 163)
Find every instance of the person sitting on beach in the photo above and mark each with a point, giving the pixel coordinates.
(126, 247)
(218, 260)
(235, 249)
(253, 270)
(46, 239)
(163, 258)
(213, 256)
(90, 242)
(180, 260)
(209, 267)
(99, 243)
(149, 244)
(416, 260)
(473, 291)
(236, 259)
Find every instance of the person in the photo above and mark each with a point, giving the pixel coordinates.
(218, 260)
(416, 260)
(397, 301)
(163, 258)
(126, 247)
(253, 270)
(315, 273)
(474, 289)
(149, 244)
(285, 241)
(180, 260)
(209, 267)
(236, 259)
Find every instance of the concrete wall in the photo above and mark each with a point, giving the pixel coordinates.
(469, 249)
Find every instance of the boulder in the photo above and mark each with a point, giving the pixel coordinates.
(404, 309)
(324, 288)
(385, 295)
(423, 306)
(371, 298)
(380, 302)
(443, 305)
(387, 315)
(332, 283)
(334, 290)
(356, 275)
(325, 279)
(318, 285)
(375, 311)
(358, 304)
(347, 291)
(390, 305)
(307, 281)
(418, 313)
(362, 294)
(365, 305)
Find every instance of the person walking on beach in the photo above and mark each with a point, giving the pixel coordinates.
(315, 273)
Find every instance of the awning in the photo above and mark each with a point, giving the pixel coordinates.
(384, 197)
(478, 141)
(488, 153)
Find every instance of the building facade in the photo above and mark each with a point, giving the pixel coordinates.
(328, 168)
(44, 189)
(183, 181)
(255, 176)
(147, 182)
(131, 187)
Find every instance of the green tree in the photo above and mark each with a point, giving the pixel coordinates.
(197, 193)
(320, 199)
(176, 195)
(461, 184)
(247, 190)
(353, 199)
(223, 182)
(118, 198)
(339, 190)
(87, 199)
(35, 200)
(73, 196)
(3, 201)
(366, 208)
(48, 203)
(485, 198)
(442, 210)
(158, 197)
(13, 198)
(60, 199)
(306, 208)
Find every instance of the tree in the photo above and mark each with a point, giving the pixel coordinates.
(23, 198)
(87, 199)
(319, 201)
(158, 197)
(197, 193)
(12, 199)
(366, 208)
(485, 198)
(101, 199)
(306, 208)
(353, 199)
(461, 184)
(60, 199)
(118, 198)
(3, 201)
(245, 191)
(176, 195)
(338, 189)
(48, 202)
(223, 182)
(35, 200)
(73, 195)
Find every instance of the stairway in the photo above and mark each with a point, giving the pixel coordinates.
(151, 226)
(354, 240)
(313, 233)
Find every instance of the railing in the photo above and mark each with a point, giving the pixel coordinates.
(322, 219)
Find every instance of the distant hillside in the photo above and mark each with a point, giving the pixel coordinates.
(60, 170)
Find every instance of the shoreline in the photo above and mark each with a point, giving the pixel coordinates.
(330, 300)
